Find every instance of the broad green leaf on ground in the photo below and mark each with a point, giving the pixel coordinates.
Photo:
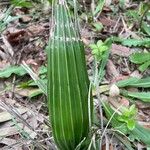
(99, 7)
(124, 140)
(139, 132)
(144, 66)
(144, 42)
(139, 58)
(134, 82)
(32, 83)
(142, 134)
(28, 92)
(43, 70)
(144, 96)
(98, 26)
(7, 72)
(35, 93)
(146, 28)
(127, 82)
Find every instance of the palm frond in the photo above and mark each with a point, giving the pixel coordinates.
(68, 83)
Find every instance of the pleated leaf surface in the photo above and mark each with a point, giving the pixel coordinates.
(68, 84)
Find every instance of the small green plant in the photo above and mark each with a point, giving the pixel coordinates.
(97, 26)
(99, 49)
(128, 116)
(142, 59)
(126, 126)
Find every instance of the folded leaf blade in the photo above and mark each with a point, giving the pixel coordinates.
(68, 83)
(139, 58)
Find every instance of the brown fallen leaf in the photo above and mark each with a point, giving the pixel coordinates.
(123, 101)
(18, 37)
(23, 12)
(142, 105)
(111, 70)
(136, 74)
(8, 47)
(117, 102)
(4, 64)
(5, 116)
(120, 77)
(8, 141)
(3, 55)
(108, 22)
(34, 30)
(102, 89)
(27, 92)
(121, 50)
(141, 116)
(5, 132)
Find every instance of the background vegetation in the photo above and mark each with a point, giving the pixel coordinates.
(116, 37)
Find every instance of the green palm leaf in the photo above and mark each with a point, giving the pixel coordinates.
(68, 83)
